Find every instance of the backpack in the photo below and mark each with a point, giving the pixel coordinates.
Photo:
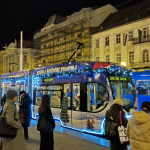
(110, 127)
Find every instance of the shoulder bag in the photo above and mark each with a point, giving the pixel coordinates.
(6, 130)
(110, 127)
(44, 124)
(122, 132)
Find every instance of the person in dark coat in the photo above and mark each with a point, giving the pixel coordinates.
(47, 139)
(3, 100)
(114, 113)
(25, 112)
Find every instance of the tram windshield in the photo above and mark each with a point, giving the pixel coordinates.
(122, 87)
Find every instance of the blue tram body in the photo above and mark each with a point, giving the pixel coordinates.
(142, 83)
(80, 92)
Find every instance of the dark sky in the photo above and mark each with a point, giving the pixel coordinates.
(31, 15)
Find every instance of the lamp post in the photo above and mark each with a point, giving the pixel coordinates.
(21, 39)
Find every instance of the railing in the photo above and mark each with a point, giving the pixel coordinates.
(143, 39)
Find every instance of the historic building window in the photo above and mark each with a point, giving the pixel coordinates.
(145, 55)
(97, 43)
(97, 58)
(145, 32)
(118, 38)
(130, 35)
(131, 56)
(118, 57)
(107, 58)
(107, 41)
(25, 58)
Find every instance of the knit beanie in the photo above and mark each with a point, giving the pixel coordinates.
(11, 94)
(118, 101)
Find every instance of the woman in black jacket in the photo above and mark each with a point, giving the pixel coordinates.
(47, 139)
(114, 114)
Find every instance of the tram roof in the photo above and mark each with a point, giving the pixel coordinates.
(67, 66)
(77, 65)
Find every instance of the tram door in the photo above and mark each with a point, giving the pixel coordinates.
(91, 97)
(73, 104)
(20, 86)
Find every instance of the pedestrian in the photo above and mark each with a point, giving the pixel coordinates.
(25, 112)
(138, 128)
(3, 101)
(47, 139)
(114, 114)
(17, 143)
(55, 101)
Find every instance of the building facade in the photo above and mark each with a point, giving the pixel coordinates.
(58, 39)
(1, 63)
(11, 57)
(124, 39)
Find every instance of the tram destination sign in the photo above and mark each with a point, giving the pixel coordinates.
(116, 78)
(47, 80)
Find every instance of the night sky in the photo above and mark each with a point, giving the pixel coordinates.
(31, 15)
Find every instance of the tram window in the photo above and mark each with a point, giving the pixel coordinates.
(55, 100)
(67, 89)
(113, 86)
(39, 95)
(125, 91)
(76, 96)
(49, 90)
(143, 87)
(97, 98)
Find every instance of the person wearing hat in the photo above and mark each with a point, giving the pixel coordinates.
(138, 129)
(114, 114)
(18, 142)
(25, 112)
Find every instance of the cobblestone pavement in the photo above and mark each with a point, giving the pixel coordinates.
(61, 142)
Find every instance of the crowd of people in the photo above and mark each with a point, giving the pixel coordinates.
(138, 127)
(21, 120)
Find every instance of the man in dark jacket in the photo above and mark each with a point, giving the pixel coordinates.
(114, 114)
(25, 112)
(3, 101)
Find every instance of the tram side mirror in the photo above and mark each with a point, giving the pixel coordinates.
(124, 85)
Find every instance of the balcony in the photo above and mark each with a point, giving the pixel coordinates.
(139, 65)
(144, 39)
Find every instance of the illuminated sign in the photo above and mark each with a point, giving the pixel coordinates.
(48, 80)
(114, 78)
(58, 69)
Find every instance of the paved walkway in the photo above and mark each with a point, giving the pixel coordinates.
(62, 141)
(66, 139)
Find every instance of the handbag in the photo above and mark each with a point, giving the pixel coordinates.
(44, 124)
(6, 130)
(122, 130)
(110, 127)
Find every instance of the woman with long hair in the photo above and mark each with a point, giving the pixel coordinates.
(47, 140)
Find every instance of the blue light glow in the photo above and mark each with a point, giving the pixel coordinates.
(86, 131)
(128, 116)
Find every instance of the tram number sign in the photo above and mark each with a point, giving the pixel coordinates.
(113, 78)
